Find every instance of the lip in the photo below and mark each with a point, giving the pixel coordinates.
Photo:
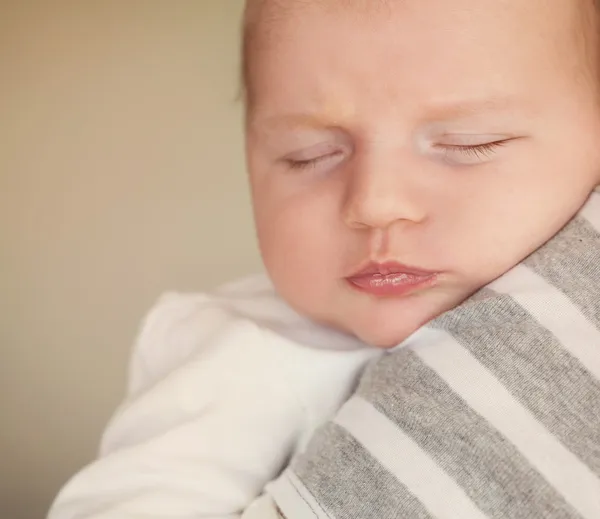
(391, 279)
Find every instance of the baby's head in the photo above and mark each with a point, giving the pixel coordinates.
(453, 137)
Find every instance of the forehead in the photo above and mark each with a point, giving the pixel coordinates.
(271, 14)
(408, 48)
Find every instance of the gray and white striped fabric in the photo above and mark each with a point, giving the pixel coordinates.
(492, 411)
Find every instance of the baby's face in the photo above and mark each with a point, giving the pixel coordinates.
(454, 137)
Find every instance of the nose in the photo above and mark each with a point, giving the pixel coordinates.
(381, 193)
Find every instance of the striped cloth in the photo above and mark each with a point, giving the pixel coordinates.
(492, 411)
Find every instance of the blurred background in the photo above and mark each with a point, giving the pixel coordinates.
(121, 176)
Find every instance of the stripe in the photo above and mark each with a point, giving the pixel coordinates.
(293, 499)
(571, 263)
(349, 482)
(401, 456)
(560, 317)
(492, 471)
(559, 466)
(539, 371)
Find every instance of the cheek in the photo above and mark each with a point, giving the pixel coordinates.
(300, 241)
(509, 220)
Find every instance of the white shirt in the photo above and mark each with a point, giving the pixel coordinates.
(224, 389)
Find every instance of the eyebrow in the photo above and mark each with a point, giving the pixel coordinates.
(309, 121)
(465, 108)
(436, 111)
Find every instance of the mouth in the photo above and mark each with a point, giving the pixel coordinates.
(391, 279)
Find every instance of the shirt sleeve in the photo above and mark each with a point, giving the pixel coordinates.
(209, 419)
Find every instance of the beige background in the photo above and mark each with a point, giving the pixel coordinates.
(121, 175)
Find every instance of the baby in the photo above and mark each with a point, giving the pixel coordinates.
(403, 154)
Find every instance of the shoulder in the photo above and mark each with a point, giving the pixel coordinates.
(181, 324)
(240, 316)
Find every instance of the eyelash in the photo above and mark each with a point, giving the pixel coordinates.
(311, 163)
(479, 151)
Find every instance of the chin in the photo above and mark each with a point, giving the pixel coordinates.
(388, 329)
(384, 338)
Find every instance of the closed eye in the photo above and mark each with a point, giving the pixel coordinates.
(454, 153)
(479, 151)
(470, 153)
(300, 164)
